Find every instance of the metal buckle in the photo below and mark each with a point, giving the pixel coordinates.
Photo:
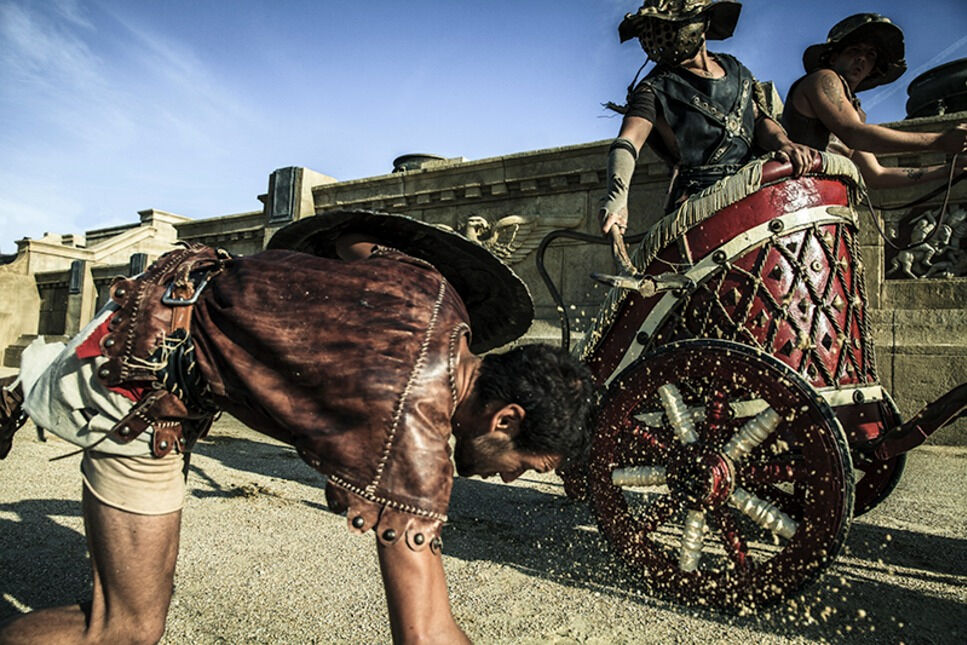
(181, 302)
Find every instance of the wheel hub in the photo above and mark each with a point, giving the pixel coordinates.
(701, 478)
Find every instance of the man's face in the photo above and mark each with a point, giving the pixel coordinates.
(855, 62)
(485, 445)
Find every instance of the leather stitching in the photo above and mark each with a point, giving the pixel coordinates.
(414, 374)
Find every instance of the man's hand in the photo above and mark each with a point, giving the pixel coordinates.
(609, 219)
(799, 155)
(954, 140)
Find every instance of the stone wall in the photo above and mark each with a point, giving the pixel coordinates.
(511, 202)
(20, 304)
(920, 324)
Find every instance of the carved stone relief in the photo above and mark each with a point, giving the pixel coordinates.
(513, 237)
(927, 251)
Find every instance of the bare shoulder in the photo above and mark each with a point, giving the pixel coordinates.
(823, 82)
(826, 93)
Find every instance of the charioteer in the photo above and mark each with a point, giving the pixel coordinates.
(702, 112)
(822, 110)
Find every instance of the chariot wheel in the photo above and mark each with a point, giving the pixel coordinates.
(720, 475)
(876, 479)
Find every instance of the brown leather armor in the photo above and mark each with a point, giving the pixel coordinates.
(353, 363)
(134, 346)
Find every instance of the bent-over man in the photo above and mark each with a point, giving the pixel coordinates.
(364, 364)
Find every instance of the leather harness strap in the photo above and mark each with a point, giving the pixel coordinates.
(185, 272)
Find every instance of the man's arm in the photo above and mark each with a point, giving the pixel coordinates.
(621, 165)
(877, 176)
(416, 593)
(769, 135)
(825, 99)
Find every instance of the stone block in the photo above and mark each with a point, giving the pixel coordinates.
(556, 161)
(871, 257)
(925, 293)
(457, 177)
(923, 374)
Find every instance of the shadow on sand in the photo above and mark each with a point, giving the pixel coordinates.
(42, 562)
(883, 589)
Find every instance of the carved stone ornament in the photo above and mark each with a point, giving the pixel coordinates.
(512, 237)
(927, 252)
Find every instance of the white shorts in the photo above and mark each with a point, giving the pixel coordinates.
(142, 485)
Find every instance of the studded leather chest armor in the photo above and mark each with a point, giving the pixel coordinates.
(713, 119)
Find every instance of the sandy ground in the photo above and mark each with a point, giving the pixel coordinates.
(263, 561)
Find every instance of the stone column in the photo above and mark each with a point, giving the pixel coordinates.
(290, 197)
(81, 297)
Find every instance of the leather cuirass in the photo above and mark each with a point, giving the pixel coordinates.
(712, 119)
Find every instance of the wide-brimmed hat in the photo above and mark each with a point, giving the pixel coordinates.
(498, 301)
(722, 16)
(873, 28)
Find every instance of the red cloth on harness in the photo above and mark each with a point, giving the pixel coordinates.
(91, 348)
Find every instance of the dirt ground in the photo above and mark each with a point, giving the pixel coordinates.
(263, 561)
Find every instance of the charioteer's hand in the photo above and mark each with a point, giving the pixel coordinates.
(611, 218)
(954, 140)
(801, 157)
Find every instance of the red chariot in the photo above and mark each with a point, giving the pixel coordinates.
(743, 425)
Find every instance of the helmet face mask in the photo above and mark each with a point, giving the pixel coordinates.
(670, 42)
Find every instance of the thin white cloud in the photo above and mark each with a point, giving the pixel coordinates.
(884, 93)
(110, 105)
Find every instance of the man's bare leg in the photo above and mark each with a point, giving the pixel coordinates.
(133, 558)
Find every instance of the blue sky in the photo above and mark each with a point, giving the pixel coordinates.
(110, 107)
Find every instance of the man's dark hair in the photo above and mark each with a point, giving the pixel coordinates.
(554, 388)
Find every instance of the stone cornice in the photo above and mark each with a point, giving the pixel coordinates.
(542, 172)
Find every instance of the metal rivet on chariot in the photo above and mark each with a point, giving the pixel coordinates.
(816, 265)
(642, 338)
(389, 535)
(776, 225)
(358, 522)
(124, 431)
(858, 396)
(718, 257)
(419, 538)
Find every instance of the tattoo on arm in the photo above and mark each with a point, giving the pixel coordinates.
(913, 174)
(832, 91)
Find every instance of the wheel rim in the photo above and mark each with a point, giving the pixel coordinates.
(719, 474)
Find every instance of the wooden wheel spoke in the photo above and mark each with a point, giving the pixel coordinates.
(692, 537)
(736, 549)
(786, 502)
(764, 513)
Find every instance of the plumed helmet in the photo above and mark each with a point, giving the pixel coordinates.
(871, 28)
